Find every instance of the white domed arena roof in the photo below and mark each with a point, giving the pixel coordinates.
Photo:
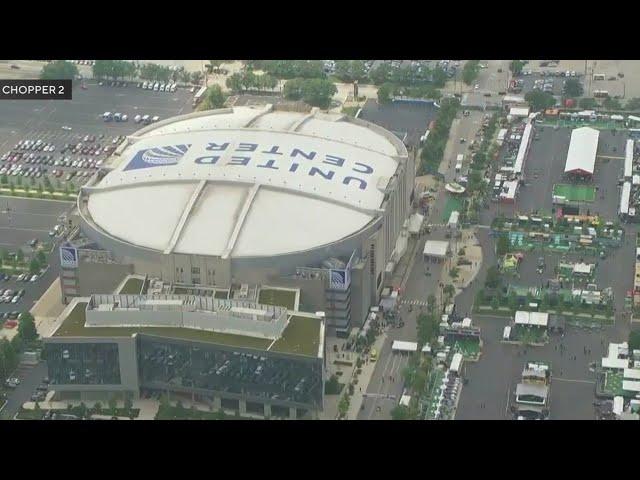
(246, 182)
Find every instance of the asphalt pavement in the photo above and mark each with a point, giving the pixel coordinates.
(30, 378)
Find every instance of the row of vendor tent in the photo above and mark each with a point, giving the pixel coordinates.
(538, 319)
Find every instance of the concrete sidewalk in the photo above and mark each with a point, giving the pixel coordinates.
(363, 380)
(148, 408)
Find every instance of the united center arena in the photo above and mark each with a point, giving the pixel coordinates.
(265, 195)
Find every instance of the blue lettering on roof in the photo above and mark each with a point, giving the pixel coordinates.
(333, 160)
(247, 147)
(316, 171)
(309, 156)
(218, 148)
(367, 168)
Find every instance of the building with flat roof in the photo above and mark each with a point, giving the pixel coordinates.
(236, 355)
(258, 195)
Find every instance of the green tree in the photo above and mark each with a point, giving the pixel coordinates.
(431, 302)
(27, 327)
(41, 257)
(538, 100)
(59, 70)
(380, 74)
(513, 300)
(588, 103)
(495, 302)
(4, 179)
(439, 77)
(128, 402)
(572, 88)
(20, 256)
(196, 78)
(502, 245)
(214, 65)
(516, 67)
(449, 290)
(634, 340)
(34, 266)
(401, 412)
(235, 83)
(384, 93)
(633, 104)
(214, 98)
(113, 404)
(612, 104)
(470, 71)
(343, 406)
(315, 91)
(97, 407)
(493, 277)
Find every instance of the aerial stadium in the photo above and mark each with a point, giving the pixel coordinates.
(257, 195)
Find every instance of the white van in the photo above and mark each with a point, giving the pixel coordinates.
(458, 167)
(173, 87)
(137, 118)
(156, 87)
(146, 119)
(144, 85)
(161, 87)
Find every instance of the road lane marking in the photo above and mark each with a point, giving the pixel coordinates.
(570, 380)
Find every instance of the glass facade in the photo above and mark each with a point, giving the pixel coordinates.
(208, 367)
(83, 363)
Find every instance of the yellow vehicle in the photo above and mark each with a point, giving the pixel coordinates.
(373, 356)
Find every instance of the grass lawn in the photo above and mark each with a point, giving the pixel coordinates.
(302, 336)
(281, 298)
(530, 335)
(575, 193)
(453, 204)
(613, 382)
(470, 349)
(24, 414)
(132, 286)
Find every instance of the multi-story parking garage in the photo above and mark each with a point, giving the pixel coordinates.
(260, 195)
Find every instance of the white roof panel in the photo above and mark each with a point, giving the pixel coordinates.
(625, 196)
(456, 362)
(618, 405)
(317, 178)
(630, 386)
(615, 363)
(144, 215)
(399, 345)
(436, 248)
(628, 159)
(632, 373)
(316, 223)
(582, 150)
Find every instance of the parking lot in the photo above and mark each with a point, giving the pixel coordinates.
(56, 124)
(552, 81)
(545, 164)
(410, 118)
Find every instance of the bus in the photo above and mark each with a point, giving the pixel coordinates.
(198, 96)
(600, 93)
(598, 76)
